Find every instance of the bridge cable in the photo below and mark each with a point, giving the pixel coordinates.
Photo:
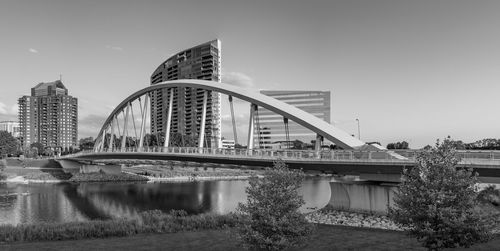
(118, 125)
(257, 122)
(233, 120)
(135, 129)
(140, 106)
(287, 132)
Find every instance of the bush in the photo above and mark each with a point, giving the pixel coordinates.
(270, 218)
(436, 200)
(147, 222)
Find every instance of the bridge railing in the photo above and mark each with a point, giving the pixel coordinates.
(329, 155)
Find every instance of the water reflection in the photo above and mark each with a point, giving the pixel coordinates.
(27, 203)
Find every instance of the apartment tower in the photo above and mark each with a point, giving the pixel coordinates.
(49, 116)
(199, 62)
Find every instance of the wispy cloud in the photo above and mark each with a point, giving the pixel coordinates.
(8, 113)
(238, 79)
(32, 50)
(115, 48)
(90, 125)
(5, 110)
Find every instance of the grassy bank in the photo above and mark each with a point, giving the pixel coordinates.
(58, 175)
(159, 171)
(147, 222)
(104, 177)
(325, 238)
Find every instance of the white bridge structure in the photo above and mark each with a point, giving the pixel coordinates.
(121, 126)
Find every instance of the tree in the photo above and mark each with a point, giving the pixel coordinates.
(39, 147)
(398, 145)
(8, 144)
(271, 218)
(87, 143)
(436, 199)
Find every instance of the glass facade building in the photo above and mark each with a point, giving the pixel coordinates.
(270, 127)
(199, 62)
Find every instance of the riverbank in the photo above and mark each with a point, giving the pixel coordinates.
(330, 216)
(190, 172)
(152, 173)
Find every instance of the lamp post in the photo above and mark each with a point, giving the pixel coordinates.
(359, 132)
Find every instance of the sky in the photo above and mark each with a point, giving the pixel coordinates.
(408, 70)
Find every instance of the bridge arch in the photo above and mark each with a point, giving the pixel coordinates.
(297, 115)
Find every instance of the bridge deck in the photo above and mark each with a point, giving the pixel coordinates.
(338, 162)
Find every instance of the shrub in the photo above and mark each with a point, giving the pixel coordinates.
(436, 200)
(270, 217)
(147, 222)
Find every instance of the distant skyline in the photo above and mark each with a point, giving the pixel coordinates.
(408, 70)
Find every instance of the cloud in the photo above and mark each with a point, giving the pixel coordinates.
(115, 48)
(5, 110)
(238, 79)
(32, 50)
(90, 125)
(8, 113)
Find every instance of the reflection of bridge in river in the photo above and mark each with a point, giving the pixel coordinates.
(373, 165)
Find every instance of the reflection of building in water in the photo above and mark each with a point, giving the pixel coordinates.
(37, 202)
(119, 200)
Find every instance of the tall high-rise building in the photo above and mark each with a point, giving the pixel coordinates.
(271, 128)
(11, 127)
(200, 62)
(49, 116)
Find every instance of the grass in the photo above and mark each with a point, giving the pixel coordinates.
(101, 177)
(166, 171)
(148, 222)
(325, 238)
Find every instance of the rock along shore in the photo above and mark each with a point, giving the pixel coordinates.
(336, 217)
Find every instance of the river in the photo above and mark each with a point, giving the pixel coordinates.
(67, 202)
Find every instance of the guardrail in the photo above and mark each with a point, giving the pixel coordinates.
(329, 155)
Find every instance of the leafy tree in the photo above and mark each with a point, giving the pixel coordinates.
(398, 145)
(87, 143)
(436, 199)
(271, 218)
(39, 147)
(8, 144)
(49, 152)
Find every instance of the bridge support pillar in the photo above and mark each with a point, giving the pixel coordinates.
(362, 196)
(71, 166)
(253, 108)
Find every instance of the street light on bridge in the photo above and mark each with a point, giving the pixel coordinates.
(359, 132)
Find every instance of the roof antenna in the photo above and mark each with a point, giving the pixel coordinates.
(60, 77)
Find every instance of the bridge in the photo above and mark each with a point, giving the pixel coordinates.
(118, 140)
(370, 165)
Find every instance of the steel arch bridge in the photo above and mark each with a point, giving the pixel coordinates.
(256, 99)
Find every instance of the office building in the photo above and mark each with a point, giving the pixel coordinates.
(49, 116)
(273, 132)
(11, 127)
(200, 62)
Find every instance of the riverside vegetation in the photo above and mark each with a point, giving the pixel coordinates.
(147, 222)
(436, 201)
